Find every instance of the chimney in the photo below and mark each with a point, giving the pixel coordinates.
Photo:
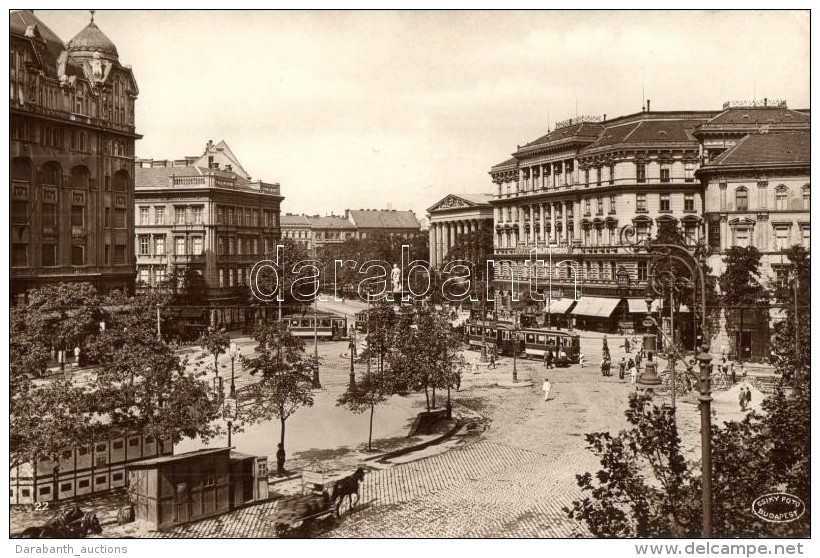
(210, 161)
(648, 101)
(765, 101)
(604, 117)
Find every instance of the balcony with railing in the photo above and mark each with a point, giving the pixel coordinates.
(188, 259)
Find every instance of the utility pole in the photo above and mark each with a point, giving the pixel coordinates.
(316, 383)
(796, 318)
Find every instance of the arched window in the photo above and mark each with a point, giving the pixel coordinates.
(742, 199)
(806, 197)
(121, 181)
(80, 178)
(781, 196)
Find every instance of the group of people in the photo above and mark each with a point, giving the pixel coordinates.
(745, 398)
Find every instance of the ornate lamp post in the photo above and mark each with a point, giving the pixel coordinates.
(352, 351)
(664, 276)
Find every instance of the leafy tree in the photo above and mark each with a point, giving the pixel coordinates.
(645, 489)
(189, 287)
(426, 355)
(63, 315)
(216, 342)
(146, 388)
(381, 319)
(286, 381)
(293, 252)
(475, 247)
(791, 354)
(740, 285)
(620, 501)
(46, 419)
(367, 393)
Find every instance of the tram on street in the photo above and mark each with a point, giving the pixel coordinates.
(327, 325)
(532, 342)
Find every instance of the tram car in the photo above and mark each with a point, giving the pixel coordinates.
(531, 343)
(328, 326)
(400, 312)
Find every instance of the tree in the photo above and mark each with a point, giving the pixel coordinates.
(286, 381)
(620, 502)
(475, 247)
(367, 393)
(792, 335)
(426, 355)
(646, 489)
(63, 315)
(381, 321)
(189, 286)
(740, 285)
(146, 388)
(216, 342)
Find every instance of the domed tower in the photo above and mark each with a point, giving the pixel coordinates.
(92, 40)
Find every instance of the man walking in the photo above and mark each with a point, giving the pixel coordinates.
(748, 397)
(581, 359)
(633, 374)
(627, 347)
(492, 360)
(621, 368)
(741, 398)
(546, 387)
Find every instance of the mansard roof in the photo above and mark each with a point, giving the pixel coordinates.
(755, 150)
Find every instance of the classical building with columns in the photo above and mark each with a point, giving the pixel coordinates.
(453, 216)
(569, 193)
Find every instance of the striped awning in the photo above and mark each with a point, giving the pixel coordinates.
(595, 307)
(638, 306)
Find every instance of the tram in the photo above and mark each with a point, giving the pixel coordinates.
(328, 325)
(532, 342)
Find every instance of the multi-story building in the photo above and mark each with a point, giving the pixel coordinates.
(570, 193)
(330, 230)
(209, 215)
(454, 216)
(389, 222)
(72, 156)
(299, 229)
(758, 194)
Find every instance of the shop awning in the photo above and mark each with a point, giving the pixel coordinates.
(596, 307)
(559, 306)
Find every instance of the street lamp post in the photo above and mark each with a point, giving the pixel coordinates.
(514, 334)
(352, 351)
(316, 382)
(234, 352)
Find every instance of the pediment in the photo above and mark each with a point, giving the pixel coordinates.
(451, 201)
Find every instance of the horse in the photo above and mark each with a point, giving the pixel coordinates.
(346, 488)
(55, 528)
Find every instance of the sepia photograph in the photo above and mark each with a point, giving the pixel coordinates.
(410, 274)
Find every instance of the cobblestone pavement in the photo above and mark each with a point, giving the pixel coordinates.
(510, 479)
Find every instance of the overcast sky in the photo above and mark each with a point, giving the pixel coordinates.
(365, 109)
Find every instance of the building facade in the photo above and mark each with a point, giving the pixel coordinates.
(207, 215)
(299, 229)
(454, 216)
(570, 193)
(71, 109)
(98, 467)
(389, 222)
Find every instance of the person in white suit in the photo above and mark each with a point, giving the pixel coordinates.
(546, 387)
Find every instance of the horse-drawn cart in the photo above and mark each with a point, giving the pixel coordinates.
(322, 500)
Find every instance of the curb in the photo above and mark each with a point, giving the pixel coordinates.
(396, 453)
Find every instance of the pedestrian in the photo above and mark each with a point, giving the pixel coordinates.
(748, 396)
(546, 387)
(458, 380)
(492, 360)
(742, 399)
(627, 347)
(603, 367)
(621, 368)
(633, 374)
(734, 376)
(630, 363)
(638, 359)
(581, 358)
(548, 358)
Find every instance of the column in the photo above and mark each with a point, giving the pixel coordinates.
(567, 206)
(576, 220)
(532, 223)
(439, 241)
(541, 223)
(522, 231)
(433, 245)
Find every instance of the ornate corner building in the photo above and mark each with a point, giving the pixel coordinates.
(738, 176)
(205, 213)
(72, 138)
